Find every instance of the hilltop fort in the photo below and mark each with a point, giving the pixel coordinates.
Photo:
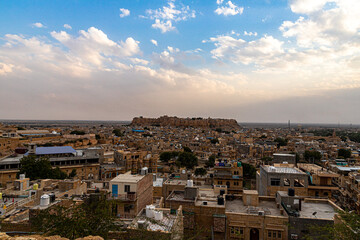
(185, 122)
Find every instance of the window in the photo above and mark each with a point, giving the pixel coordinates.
(220, 182)
(275, 181)
(127, 188)
(236, 183)
(237, 232)
(299, 183)
(127, 209)
(286, 182)
(274, 235)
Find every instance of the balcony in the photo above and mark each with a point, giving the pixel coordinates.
(130, 196)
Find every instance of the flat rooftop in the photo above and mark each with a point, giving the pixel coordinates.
(323, 210)
(272, 169)
(315, 169)
(175, 182)
(237, 206)
(284, 154)
(165, 224)
(128, 178)
(9, 160)
(178, 196)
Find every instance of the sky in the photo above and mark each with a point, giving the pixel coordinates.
(251, 60)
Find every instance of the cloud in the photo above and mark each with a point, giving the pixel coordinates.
(38, 25)
(154, 42)
(228, 9)
(68, 70)
(241, 51)
(164, 26)
(307, 6)
(250, 33)
(139, 61)
(5, 68)
(124, 12)
(323, 25)
(165, 16)
(67, 26)
(95, 46)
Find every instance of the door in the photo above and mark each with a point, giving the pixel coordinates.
(114, 190)
(254, 234)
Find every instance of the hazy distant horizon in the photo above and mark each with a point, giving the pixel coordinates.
(250, 124)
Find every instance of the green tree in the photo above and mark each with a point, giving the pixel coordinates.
(347, 228)
(39, 168)
(266, 160)
(281, 141)
(186, 159)
(200, 171)
(90, 218)
(313, 155)
(167, 156)
(211, 161)
(72, 174)
(118, 132)
(249, 171)
(187, 149)
(344, 153)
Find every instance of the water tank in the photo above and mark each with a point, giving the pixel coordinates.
(144, 171)
(52, 197)
(220, 200)
(0, 196)
(183, 171)
(44, 200)
(190, 183)
(291, 192)
(150, 211)
(22, 176)
(35, 186)
(158, 215)
(141, 224)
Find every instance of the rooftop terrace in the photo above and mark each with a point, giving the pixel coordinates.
(237, 206)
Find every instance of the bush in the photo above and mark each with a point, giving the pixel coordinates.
(200, 171)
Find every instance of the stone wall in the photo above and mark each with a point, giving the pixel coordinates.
(185, 122)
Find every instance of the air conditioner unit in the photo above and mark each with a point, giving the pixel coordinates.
(294, 236)
(261, 213)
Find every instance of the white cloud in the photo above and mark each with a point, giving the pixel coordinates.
(124, 12)
(154, 42)
(307, 6)
(38, 25)
(324, 26)
(67, 26)
(238, 50)
(250, 33)
(68, 77)
(5, 68)
(228, 9)
(164, 26)
(95, 46)
(165, 16)
(139, 61)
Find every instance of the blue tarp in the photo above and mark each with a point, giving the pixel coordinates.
(53, 150)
